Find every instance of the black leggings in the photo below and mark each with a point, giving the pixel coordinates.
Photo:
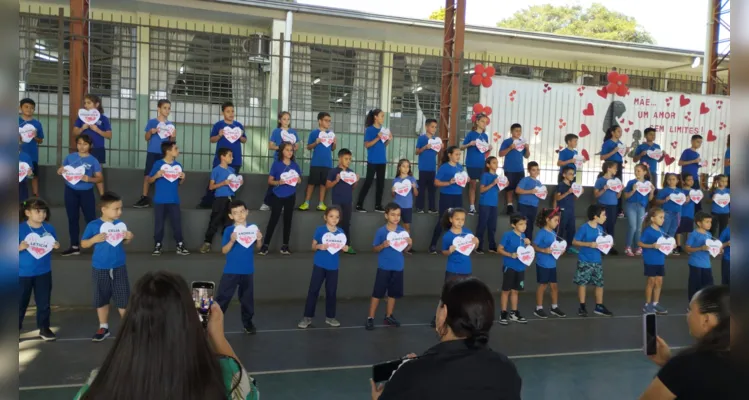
(373, 169)
(276, 206)
(720, 222)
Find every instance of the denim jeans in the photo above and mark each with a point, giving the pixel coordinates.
(670, 223)
(634, 212)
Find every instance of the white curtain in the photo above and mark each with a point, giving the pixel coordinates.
(366, 89)
(168, 53)
(300, 104)
(413, 63)
(27, 41)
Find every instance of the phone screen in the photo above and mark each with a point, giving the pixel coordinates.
(202, 296)
(383, 372)
(650, 334)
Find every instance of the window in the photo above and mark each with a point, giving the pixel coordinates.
(415, 91)
(205, 73)
(557, 76)
(39, 48)
(520, 71)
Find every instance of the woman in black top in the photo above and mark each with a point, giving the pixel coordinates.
(704, 370)
(461, 366)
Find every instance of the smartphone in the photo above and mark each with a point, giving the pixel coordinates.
(202, 296)
(382, 372)
(649, 334)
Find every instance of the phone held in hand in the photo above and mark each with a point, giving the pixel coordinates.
(202, 296)
(649, 334)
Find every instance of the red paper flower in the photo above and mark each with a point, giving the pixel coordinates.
(480, 109)
(482, 76)
(617, 84)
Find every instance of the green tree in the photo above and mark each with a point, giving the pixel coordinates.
(438, 15)
(596, 22)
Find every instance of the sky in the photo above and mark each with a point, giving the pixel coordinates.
(659, 17)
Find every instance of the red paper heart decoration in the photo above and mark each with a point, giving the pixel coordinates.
(588, 111)
(584, 131)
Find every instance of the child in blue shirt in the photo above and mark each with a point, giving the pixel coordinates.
(427, 148)
(513, 277)
(725, 266)
(376, 140)
(654, 260)
(607, 197)
(568, 156)
(665, 199)
(80, 194)
(98, 131)
(342, 193)
(405, 199)
(686, 218)
(613, 150)
(565, 200)
(221, 133)
(157, 132)
(514, 149)
(530, 191)
(488, 202)
(720, 213)
(167, 175)
(637, 202)
(700, 267)
(327, 243)
(36, 239)
(220, 179)
(107, 235)
(31, 147)
(589, 268)
(322, 160)
(389, 278)
(475, 155)
(23, 187)
(282, 133)
(285, 174)
(641, 154)
(690, 161)
(546, 263)
(451, 194)
(239, 269)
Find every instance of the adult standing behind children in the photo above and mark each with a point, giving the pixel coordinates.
(158, 130)
(513, 149)
(97, 131)
(376, 138)
(321, 142)
(282, 134)
(168, 176)
(227, 134)
(427, 148)
(477, 144)
(27, 107)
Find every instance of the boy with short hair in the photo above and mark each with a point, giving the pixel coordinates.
(224, 135)
(568, 154)
(224, 194)
(239, 268)
(690, 161)
(513, 165)
(158, 131)
(528, 189)
(700, 267)
(31, 147)
(342, 192)
(565, 200)
(427, 167)
(167, 174)
(107, 235)
(641, 154)
(589, 267)
(321, 163)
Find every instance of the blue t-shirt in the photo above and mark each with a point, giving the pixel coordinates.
(27, 264)
(716, 209)
(669, 205)
(687, 210)
(32, 148)
(490, 197)
(445, 174)
(691, 169)
(567, 203)
(608, 198)
(529, 183)
(609, 146)
(588, 234)
(219, 175)
(727, 169)
(23, 157)
(699, 259)
(427, 158)
(103, 125)
(652, 256)
(323, 258)
(725, 237)
(407, 201)
(475, 158)
(278, 168)
(544, 239)
(342, 192)
(457, 262)
(240, 260)
(154, 144)
(276, 138)
(223, 143)
(321, 156)
(89, 163)
(388, 259)
(636, 197)
(567, 154)
(165, 192)
(376, 153)
(105, 255)
(510, 242)
(652, 164)
(514, 158)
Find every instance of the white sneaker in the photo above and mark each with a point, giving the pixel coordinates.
(332, 322)
(264, 207)
(304, 323)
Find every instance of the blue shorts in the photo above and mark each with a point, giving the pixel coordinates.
(686, 225)
(546, 275)
(388, 282)
(35, 169)
(407, 215)
(110, 284)
(655, 270)
(475, 173)
(513, 178)
(151, 159)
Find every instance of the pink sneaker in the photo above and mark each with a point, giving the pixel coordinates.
(639, 251)
(628, 251)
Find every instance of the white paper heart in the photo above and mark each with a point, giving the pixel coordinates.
(605, 243)
(26, 132)
(678, 198)
(290, 177)
(713, 247)
(288, 137)
(526, 254)
(643, 188)
(655, 154)
(398, 240)
(73, 175)
(577, 189)
(436, 144)
(579, 160)
(541, 192)
(622, 149)
(385, 135)
(165, 130)
(171, 172)
(666, 245)
(232, 134)
(402, 188)
(482, 146)
(502, 182)
(89, 117)
(464, 244)
(246, 235)
(235, 182)
(39, 246)
(696, 195)
(461, 178)
(722, 199)
(348, 177)
(335, 241)
(615, 185)
(326, 138)
(115, 233)
(558, 248)
(23, 170)
(519, 144)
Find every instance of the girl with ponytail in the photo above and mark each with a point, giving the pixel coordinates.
(654, 260)
(546, 263)
(451, 194)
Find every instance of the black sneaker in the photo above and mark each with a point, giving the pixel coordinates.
(144, 202)
(510, 210)
(263, 250)
(433, 212)
(181, 250)
(73, 251)
(620, 215)
(602, 310)
(391, 321)
(558, 312)
(479, 251)
(472, 210)
(503, 318)
(203, 206)
(285, 250)
(433, 250)
(677, 251)
(370, 324)
(613, 252)
(493, 250)
(582, 312)
(100, 335)
(156, 250)
(360, 208)
(540, 313)
(433, 324)
(250, 329)
(379, 209)
(47, 335)
(516, 317)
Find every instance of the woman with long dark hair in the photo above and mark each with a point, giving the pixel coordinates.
(149, 361)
